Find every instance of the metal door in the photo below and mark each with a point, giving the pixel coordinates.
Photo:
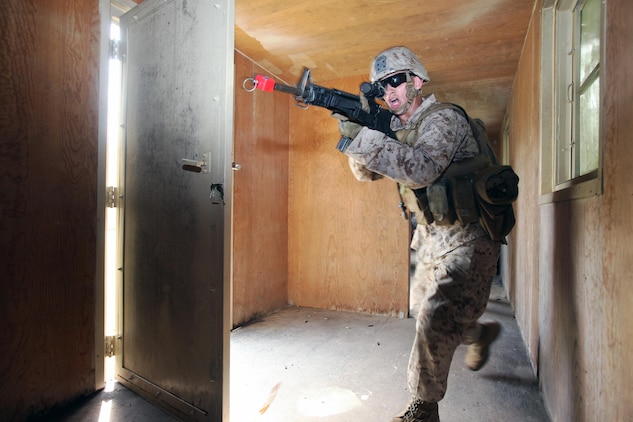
(178, 105)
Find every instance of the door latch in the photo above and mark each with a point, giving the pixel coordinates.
(217, 194)
(197, 166)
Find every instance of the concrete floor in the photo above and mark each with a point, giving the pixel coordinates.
(302, 364)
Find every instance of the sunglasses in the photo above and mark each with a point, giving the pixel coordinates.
(394, 80)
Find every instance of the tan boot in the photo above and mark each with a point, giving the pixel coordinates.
(419, 411)
(477, 353)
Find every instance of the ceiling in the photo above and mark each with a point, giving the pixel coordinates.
(470, 48)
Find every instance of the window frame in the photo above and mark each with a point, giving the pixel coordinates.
(558, 26)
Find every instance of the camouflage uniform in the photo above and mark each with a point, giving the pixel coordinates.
(455, 263)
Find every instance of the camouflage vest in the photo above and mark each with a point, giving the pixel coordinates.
(475, 189)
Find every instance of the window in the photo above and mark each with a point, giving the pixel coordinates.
(572, 113)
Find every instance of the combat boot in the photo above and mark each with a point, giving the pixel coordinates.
(419, 411)
(477, 353)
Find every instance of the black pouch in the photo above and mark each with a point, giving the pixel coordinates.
(497, 185)
(496, 220)
(423, 204)
(463, 193)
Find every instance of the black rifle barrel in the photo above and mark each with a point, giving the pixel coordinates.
(289, 89)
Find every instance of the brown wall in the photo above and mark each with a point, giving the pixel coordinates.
(260, 215)
(48, 160)
(305, 231)
(523, 242)
(348, 244)
(570, 261)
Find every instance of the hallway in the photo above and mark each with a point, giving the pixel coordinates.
(302, 364)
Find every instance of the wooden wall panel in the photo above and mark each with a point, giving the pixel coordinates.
(612, 296)
(260, 215)
(524, 132)
(573, 258)
(348, 244)
(48, 162)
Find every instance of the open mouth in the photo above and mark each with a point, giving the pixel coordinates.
(394, 103)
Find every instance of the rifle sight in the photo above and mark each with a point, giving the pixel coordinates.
(372, 90)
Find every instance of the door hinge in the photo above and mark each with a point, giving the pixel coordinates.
(110, 346)
(112, 197)
(115, 49)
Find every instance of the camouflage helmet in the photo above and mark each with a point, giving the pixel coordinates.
(394, 60)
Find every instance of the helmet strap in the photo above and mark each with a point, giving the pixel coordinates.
(412, 93)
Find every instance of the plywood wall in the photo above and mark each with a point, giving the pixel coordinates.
(260, 215)
(348, 244)
(570, 261)
(524, 152)
(48, 162)
(305, 231)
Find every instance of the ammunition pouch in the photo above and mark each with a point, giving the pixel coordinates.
(449, 200)
(496, 220)
(440, 202)
(483, 196)
(422, 203)
(464, 199)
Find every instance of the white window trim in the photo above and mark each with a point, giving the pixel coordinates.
(579, 187)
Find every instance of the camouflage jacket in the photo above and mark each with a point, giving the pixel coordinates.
(427, 148)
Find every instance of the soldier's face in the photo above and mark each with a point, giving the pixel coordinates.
(396, 89)
(395, 97)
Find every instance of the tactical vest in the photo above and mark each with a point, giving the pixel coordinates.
(475, 189)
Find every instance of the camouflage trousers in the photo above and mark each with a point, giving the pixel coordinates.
(450, 293)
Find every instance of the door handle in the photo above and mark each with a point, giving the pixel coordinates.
(197, 166)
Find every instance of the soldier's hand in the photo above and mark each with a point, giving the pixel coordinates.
(348, 128)
(339, 116)
(364, 103)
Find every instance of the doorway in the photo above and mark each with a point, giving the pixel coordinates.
(167, 225)
(112, 178)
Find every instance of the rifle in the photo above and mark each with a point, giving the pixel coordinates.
(339, 102)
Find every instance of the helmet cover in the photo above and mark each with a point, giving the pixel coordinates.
(394, 60)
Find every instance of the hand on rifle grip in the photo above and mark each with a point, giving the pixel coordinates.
(348, 128)
(364, 103)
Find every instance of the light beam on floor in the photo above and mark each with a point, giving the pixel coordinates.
(106, 409)
(327, 401)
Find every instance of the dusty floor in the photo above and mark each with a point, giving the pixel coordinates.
(302, 364)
